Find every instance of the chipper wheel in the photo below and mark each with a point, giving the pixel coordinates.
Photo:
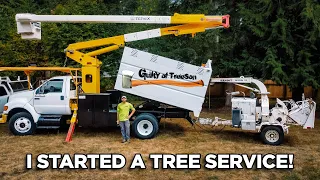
(145, 126)
(272, 135)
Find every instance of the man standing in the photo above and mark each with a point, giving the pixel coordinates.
(123, 117)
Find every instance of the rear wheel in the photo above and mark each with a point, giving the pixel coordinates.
(145, 126)
(272, 135)
(22, 124)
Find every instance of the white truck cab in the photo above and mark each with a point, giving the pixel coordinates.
(40, 108)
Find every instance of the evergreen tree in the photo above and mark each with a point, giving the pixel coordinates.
(283, 36)
(267, 39)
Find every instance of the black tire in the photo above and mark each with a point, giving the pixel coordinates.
(145, 126)
(149, 114)
(23, 120)
(272, 135)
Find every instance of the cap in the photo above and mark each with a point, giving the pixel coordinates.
(123, 97)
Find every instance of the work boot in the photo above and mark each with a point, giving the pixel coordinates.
(123, 140)
(128, 140)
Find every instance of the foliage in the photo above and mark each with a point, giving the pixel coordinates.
(267, 38)
(285, 37)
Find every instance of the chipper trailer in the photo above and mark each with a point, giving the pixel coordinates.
(253, 114)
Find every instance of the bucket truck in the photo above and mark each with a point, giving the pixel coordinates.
(54, 101)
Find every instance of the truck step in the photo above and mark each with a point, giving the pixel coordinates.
(48, 127)
(46, 121)
(48, 116)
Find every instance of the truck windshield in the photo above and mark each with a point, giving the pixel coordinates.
(19, 86)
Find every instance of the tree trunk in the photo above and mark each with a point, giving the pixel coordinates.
(229, 88)
(297, 93)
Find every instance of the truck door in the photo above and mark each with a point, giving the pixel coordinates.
(50, 98)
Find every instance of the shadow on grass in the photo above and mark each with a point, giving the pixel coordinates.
(81, 130)
(167, 128)
(238, 136)
(171, 128)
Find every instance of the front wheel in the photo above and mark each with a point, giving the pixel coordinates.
(272, 135)
(22, 124)
(145, 126)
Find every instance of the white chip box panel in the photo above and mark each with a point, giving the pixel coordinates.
(164, 80)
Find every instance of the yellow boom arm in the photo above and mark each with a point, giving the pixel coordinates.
(91, 65)
(29, 26)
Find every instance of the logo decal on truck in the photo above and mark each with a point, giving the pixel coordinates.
(128, 82)
(140, 18)
(143, 73)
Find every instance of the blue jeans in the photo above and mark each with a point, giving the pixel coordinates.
(125, 129)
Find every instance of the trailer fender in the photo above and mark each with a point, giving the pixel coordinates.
(283, 127)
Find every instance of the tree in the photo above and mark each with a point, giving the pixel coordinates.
(267, 39)
(284, 36)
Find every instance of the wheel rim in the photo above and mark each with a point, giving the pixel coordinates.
(272, 136)
(22, 125)
(145, 127)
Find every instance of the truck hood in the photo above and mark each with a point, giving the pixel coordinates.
(26, 95)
